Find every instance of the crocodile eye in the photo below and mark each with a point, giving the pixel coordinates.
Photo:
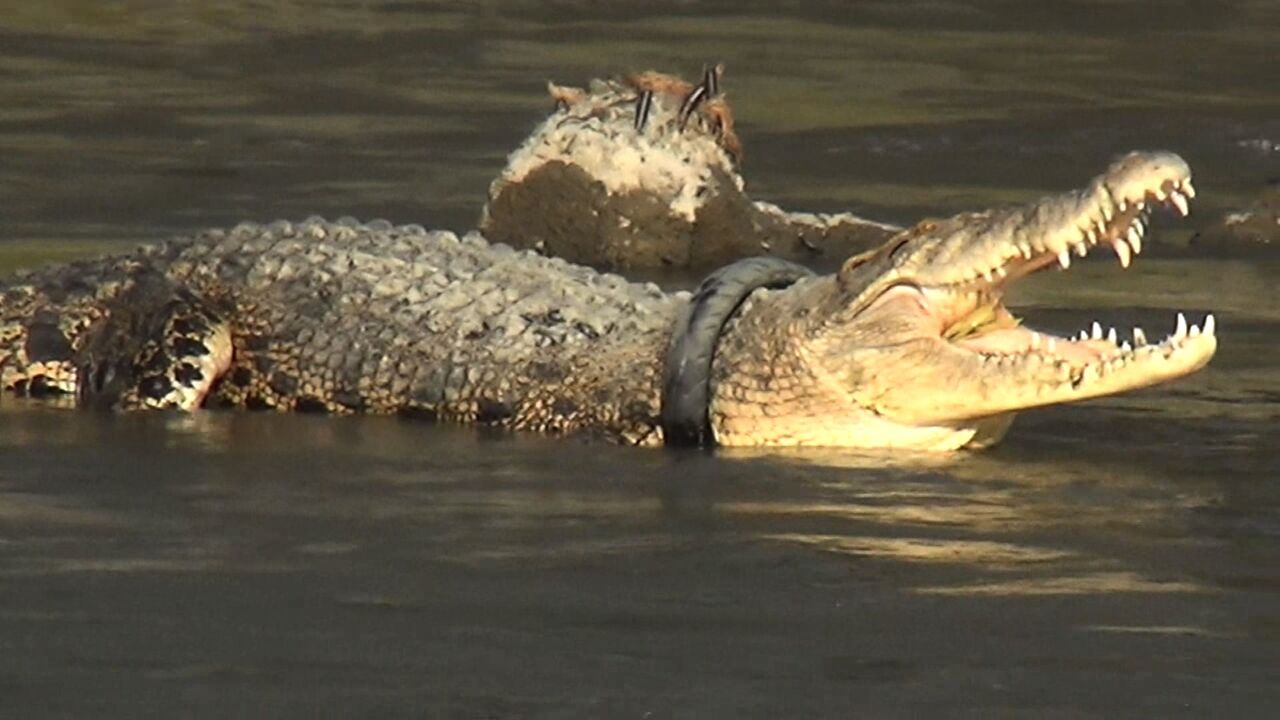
(855, 262)
(886, 251)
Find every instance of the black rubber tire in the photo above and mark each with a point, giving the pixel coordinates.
(686, 376)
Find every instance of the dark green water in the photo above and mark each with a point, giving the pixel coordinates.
(1115, 558)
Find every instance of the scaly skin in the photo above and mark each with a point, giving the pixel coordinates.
(343, 317)
(906, 346)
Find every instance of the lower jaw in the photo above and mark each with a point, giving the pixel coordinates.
(869, 432)
(1020, 341)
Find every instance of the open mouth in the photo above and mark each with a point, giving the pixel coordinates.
(973, 317)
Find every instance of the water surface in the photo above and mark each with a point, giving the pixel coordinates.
(1115, 558)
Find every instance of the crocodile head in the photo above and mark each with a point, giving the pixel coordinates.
(911, 345)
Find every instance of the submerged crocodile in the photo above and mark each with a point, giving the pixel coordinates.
(642, 172)
(908, 345)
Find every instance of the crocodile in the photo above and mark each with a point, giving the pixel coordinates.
(642, 172)
(909, 345)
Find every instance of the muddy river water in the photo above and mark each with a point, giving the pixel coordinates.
(1115, 558)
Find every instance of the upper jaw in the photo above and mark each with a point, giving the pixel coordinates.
(981, 255)
(1117, 207)
(991, 249)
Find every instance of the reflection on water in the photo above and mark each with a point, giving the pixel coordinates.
(1119, 555)
(1088, 584)
(236, 557)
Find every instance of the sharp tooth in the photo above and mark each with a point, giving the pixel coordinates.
(986, 275)
(1139, 337)
(1082, 249)
(1064, 258)
(1111, 336)
(1188, 189)
(1180, 331)
(1106, 214)
(1096, 330)
(1035, 341)
(1158, 193)
(1000, 272)
(1179, 202)
(1084, 335)
(1135, 238)
(1125, 347)
(1052, 343)
(1122, 251)
(1092, 236)
(1195, 331)
(1124, 205)
(1140, 225)
(1210, 326)
(1025, 251)
(1141, 205)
